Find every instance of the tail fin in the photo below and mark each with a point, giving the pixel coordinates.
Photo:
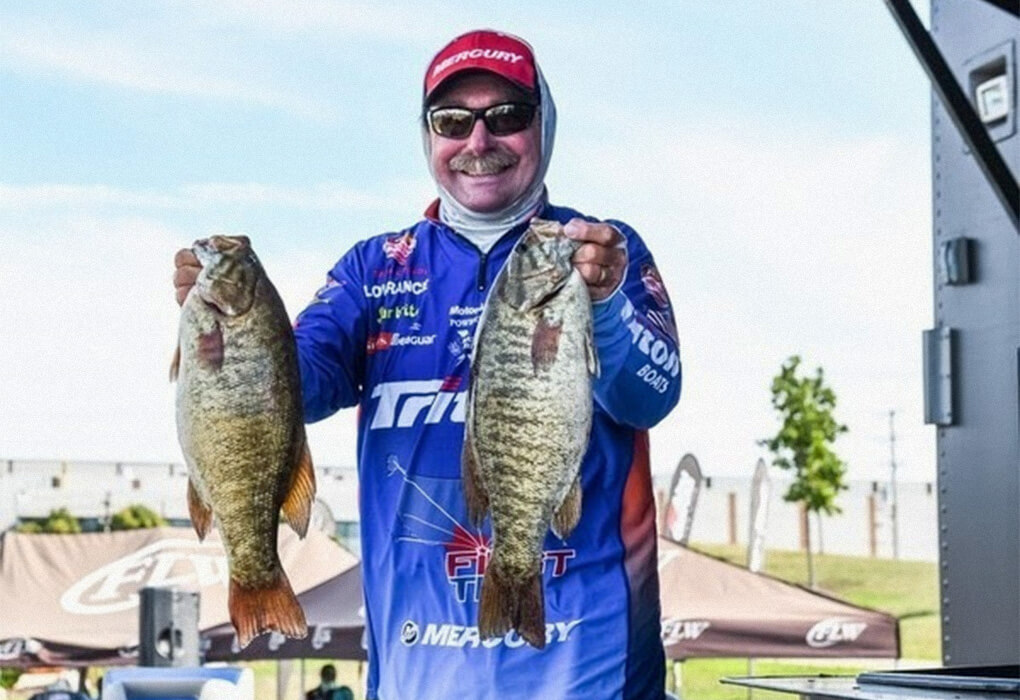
(257, 610)
(508, 603)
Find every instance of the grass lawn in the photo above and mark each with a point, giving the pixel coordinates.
(906, 589)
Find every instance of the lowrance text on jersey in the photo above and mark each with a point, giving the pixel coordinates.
(392, 287)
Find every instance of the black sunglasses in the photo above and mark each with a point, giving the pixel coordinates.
(501, 120)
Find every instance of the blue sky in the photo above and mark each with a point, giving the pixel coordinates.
(774, 156)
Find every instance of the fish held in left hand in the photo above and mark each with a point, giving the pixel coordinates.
(528, 421)
(241, 428)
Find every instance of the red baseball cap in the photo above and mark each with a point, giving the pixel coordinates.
(503, 54)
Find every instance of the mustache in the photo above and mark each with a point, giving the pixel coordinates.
(485, 164)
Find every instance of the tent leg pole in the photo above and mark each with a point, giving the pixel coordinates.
(302, 675)
(750, 672)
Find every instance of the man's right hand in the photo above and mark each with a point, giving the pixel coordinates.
(186, 269)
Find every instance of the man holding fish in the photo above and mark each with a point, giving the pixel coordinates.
(519, 562)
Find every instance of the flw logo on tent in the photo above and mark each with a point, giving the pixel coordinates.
(675, 631)
(834, 630)
(465, 553)
(170, 562)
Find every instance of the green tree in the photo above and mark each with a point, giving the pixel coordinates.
(804, 443)
(135, 517)
(9, 676)
(58, 522)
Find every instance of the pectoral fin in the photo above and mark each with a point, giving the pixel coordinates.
(297, 506)
(175, 363)
(210, 348)
(201, 514)
(566, 517)
(545, 343)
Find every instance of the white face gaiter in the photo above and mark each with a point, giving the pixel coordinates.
(484, 229)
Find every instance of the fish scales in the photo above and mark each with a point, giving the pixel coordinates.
(241, 429)
(529, 419)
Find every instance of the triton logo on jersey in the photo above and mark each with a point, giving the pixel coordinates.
(655, 349)
(402, 404)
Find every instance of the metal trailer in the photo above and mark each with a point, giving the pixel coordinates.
(972, 355)
(971, 358)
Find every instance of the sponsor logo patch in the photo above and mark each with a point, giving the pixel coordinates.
(465, 552)
(385, 341)
(393, 313)
(394, 287)
(399, 272)
(409, 633)
(459, 636)
(460, 347)
(464, 316)
(652, 280)
(400, 247)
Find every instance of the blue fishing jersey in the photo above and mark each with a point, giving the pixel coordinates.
(391, 332)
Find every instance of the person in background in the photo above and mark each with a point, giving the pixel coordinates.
(327, 688)
(391, 332)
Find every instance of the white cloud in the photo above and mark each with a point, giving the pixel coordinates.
(338, 18)
(121, 60)
(320, 196)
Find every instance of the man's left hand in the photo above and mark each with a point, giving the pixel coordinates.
(602, 257)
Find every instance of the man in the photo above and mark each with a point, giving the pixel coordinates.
(328, 689)
(391, 332)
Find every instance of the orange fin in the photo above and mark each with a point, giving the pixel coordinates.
(201, 514)
(175, 364)
(545, 343)
(254, 611)
(297, 506)
(569, 512)
(512, 604)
